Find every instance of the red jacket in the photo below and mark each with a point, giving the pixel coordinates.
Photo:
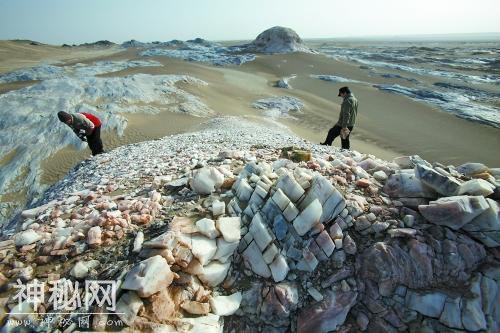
(96, 121)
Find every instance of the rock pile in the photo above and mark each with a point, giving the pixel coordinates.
(217, 230)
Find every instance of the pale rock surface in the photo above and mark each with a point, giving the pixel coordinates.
(27, 237)
(308, 217)
(279, 268)
(203, 248)
(407, 185)
(278, 40)
(253, 256)
(128, 306)
(229, 227)
(225, 249)
(476, 187)
(218, 208)
(94, 236)
(454, 212)
(149, 276)
(444, 185)
(82, 269)
(207, 228)
(214, 273)
(207, 180)
(226, 305)
(139, 239)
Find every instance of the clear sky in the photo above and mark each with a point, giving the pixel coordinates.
(78, 21)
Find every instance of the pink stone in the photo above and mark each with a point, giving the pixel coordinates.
(94, 236)
(363, 183)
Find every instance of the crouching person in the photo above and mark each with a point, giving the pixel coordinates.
(86, 126)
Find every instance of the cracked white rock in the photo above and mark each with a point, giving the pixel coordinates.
(229, 227)
(207, 180)
(226, 305)
(214, 273)
(207, 228)
(308, 218)
(149, 276)
(203, 248)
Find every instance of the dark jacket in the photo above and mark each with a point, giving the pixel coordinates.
(348, 111)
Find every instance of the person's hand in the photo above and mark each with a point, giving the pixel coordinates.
(81, 135)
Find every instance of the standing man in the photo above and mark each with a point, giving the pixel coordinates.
(347, 119)
(86, 126)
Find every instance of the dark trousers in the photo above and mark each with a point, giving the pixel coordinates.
(94, 141)
(335, 132)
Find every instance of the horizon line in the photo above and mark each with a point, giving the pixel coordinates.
(387, 36)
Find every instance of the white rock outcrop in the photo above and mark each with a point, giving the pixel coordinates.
(278, 40)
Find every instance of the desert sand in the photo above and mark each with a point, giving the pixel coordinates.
(388, 125)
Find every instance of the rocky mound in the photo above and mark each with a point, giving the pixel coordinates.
(278, 40)
(99, 43)
(230, 228)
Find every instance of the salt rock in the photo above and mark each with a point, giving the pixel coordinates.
(321, 189)
(476, 187)
(489, 220)
(229, 227)
(253, 256)
(471, 169)
(279, 268)
(290, 187)
(454, 212)
(207, 228)
(149, 276)
(207, 180)
(308, 218)
(139, 239)
(402, 232)
(26, 237)
(281, 199)
(218, 208)
(203, 248)
(81, 269)
(442, 184)
(94, 236)
(327, 315)
(226, 305)
(380, 176)
(243, 190)
(34, 212)
(404, 162)
(407, 185)
(270, 253)
(224, 250)
(128, 306)
(214, 273)
(260, 233)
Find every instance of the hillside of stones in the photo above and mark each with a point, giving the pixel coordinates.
(246, 228)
